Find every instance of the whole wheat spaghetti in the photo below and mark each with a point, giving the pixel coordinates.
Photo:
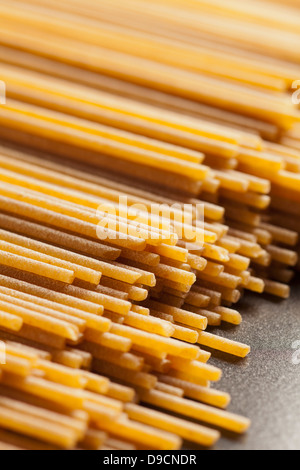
(110, 113)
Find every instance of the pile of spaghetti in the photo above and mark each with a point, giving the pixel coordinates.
(186, 103)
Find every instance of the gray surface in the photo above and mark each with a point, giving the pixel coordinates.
(265, 386)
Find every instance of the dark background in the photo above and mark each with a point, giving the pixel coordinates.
(266, 385)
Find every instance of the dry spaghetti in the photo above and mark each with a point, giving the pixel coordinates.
(182, 103)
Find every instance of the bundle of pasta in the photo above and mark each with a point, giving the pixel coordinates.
(104, 317)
